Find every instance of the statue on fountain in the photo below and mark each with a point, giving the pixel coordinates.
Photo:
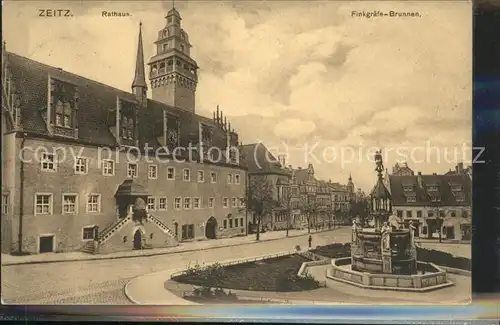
(386, 235)
(412, 234)
(354, 231)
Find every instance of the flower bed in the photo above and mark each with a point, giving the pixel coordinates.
(277, 274)
(423, 255)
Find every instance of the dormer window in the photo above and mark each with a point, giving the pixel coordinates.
(408, 188)
(435, 198)
(63, 104)
(411, 199)
(432, 188)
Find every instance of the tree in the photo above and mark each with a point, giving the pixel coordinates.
(260, 199)
(310, 206)
(287, 205)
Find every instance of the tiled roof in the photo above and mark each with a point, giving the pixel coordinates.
(95, 103)
(259, 160)
(443, 182)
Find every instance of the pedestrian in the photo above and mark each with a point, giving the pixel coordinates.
(310, 241)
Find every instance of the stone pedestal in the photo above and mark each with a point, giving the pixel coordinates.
(386, 262)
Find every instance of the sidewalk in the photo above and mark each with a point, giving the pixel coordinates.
(183, 247)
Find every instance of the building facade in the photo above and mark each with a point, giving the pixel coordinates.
(263, 166)
(437, 205)
(80, 158)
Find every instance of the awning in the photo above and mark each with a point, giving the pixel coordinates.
(130, 188)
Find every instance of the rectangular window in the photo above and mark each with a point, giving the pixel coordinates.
(93, 203)
(409, 214)
(196, 202)
(241, 222)
(419, 214)
(453, 214)
(132, 170)
(400, 214)
(152, 172)
(237, 178)
(108, 167)
(242, 202)
(48, 162)
(170, 173)
(230, 223)
(88, 233)
(177, 203)
(210, 202)
(225, 202)
(430, 214)
(162, 203)
(235, 202)
(236, 222)
(201, 176)
(43, 204)
(460, 197)
(230, 178)
(186, 175)
(442, 214)
(213, 177)
(5, 204)
(151, 203)
(81, 165)
(69, 203)
(224, 224)
(187, 203)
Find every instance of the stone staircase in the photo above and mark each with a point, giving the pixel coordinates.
(162, 226)
(103, 236)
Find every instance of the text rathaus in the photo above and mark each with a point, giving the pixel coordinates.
(70, 181)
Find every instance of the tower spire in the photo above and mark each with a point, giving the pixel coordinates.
(140, 75)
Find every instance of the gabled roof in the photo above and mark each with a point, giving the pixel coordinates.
(259, 160)
(95, 102)
(422, 196)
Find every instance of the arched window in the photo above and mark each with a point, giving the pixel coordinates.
(124, 127)
(154, 69)
(162, 67)
(170, 62)
(67, 115)
(130, 130)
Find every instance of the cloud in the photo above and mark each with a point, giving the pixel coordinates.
(289, 70)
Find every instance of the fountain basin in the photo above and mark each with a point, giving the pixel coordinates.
(429, 277)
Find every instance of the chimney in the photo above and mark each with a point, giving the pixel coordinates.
(461, 168)
(419, 180)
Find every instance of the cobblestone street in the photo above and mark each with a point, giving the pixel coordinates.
(102, 281)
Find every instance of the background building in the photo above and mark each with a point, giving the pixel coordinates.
(88, 176)
(434, 203)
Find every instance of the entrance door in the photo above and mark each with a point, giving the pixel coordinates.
(46, 244)
(138, 240)
(211, 228)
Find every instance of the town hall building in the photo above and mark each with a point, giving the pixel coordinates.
(87, 167)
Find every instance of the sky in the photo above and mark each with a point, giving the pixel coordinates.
(306, 78)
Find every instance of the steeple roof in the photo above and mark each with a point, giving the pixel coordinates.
(140, 75)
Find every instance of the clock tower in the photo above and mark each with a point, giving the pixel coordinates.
(173, 73)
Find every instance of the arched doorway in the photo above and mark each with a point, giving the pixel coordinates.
(138, 239)
(211, 228)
